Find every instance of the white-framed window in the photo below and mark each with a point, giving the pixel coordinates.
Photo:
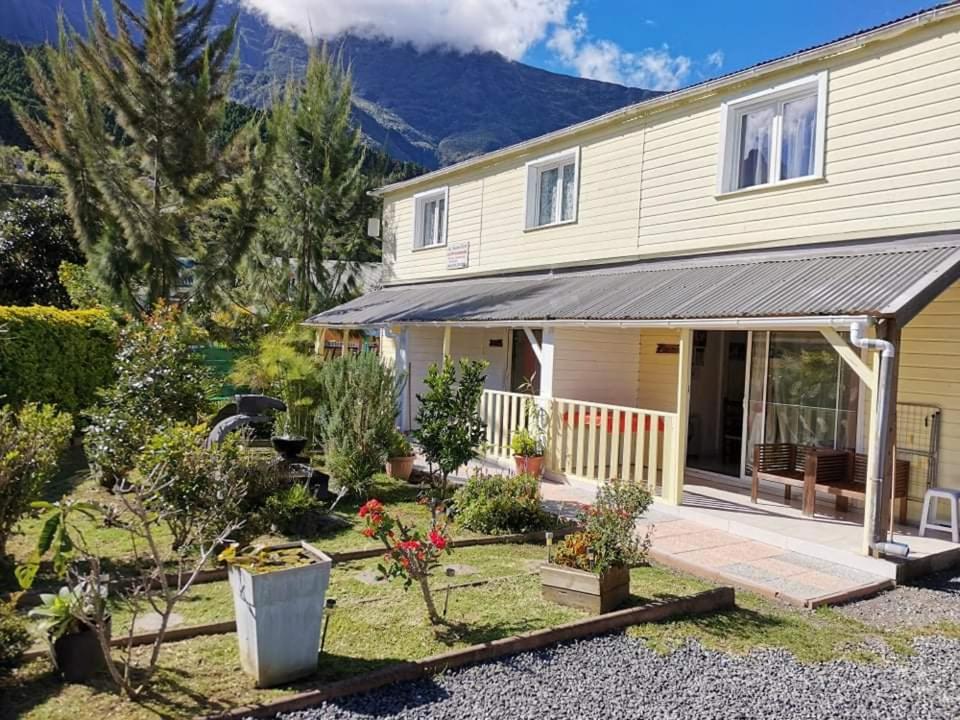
(773, 137)
(553, 184)
(430, 218)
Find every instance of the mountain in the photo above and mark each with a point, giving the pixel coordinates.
(433, 108)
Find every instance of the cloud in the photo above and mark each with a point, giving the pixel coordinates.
(715, 60)
(509, 27)
(653, 68)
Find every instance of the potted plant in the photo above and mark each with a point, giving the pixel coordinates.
(591, 568)
(527, 452)
(278, 597)
(67, 622)
(400, 457)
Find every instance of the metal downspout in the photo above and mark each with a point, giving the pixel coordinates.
(879, 543)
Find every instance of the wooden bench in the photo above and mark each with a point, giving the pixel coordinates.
(799, 466)
(841, 473)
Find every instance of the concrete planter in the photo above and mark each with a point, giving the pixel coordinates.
(400, 468)
(279, 618)
(585, 590)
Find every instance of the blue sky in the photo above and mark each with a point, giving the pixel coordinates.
(741, 33)
(659, 45)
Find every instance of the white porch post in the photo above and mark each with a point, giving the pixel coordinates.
(401, 365)
(675, 465)
(447, 333)
(545, 398)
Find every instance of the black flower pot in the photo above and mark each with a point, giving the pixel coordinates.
(78, 655)
(290, 447)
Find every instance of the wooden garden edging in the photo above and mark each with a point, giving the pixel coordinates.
(705, 602)
(32, 597)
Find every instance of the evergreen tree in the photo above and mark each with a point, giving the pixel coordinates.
(131, 116)
(309, 245)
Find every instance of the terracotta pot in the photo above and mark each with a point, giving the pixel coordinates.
(400, 468)
(529, 464)
(78, 655)
(585, 590)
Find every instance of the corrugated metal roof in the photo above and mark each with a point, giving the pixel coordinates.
(876, 279)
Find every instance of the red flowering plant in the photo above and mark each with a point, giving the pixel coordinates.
(411, 554)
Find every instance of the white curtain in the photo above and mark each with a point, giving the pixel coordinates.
(548, 196)
(796, 147)
(566, 207)
(755, 148)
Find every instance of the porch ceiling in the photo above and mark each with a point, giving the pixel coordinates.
(889, 278)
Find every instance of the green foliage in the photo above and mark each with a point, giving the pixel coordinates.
(131, 117)
(399, 445)
(160, 381)
(498, 504)
(315, 232)
(67, 611)
(35, 237)
(285, 366)
(15, 88)
(294, 511)
(15, 636)
(201, 486)
(525, 444)
(609, 536)
(81, 287)
(360, 406)
(55, 356)
(55, 537)
(31, 442)
(449, 427)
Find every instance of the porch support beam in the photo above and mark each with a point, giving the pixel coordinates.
(675, 466)
(401, 365)
(544, 354)
(447, 332)
(320, 341)
(850, 357)
(534, 345)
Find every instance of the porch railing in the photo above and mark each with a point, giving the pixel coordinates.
(587, 440)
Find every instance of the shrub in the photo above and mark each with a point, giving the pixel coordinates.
(31, 441)
(450, 429)
(202, 486)
(359, 411)
(497, 504)
(609, 536)
(524, 444)
(55, 356)
(15, 636)
(160, 381)
(399, 445)
(294, 511)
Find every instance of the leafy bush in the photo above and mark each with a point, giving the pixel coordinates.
(203, 486)
(294, 511)
(15, 636)
(524, 444)
(609, 536)
(361, 402)
(450, 429)
(55, 356)
(399, 445)
(498, 504)
(160, 381)
(31, 441)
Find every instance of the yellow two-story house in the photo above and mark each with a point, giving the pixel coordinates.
(725, 290)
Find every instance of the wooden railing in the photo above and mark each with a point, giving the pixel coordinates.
(592, 441)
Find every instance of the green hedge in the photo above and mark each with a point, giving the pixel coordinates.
(55, 356)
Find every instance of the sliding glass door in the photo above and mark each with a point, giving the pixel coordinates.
(800, 392)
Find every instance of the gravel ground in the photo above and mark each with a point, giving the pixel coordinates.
(615, 676)
(931, 600)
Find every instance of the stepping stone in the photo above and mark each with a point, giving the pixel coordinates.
(369, 577)
(461, 570)
(151, 622)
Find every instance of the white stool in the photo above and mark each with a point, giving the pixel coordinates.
(930, 499)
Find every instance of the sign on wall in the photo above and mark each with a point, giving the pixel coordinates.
(458, 255)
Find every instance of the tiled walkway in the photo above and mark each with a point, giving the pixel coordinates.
(725, 557)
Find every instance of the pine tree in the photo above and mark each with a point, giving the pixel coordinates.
(310, 244)
(131, 116)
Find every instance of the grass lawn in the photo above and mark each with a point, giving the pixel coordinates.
(113, 544)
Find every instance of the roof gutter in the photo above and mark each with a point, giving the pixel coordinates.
(667, 100)
(810, 322)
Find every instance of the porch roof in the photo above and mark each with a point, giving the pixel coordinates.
(889, 278)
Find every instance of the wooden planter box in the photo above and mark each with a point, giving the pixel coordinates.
(585, 590)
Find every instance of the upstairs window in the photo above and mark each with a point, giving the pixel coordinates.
(775, 136)
(552, 189)
(430, 225)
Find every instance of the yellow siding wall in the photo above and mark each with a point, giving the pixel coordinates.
(596, 364)
(648, 185)
(657, 379)
(930, 375)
